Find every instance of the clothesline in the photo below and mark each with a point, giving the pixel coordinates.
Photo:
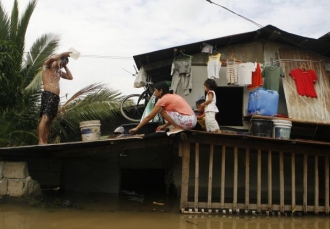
(298, 60)
(288, 61)
(275, 61)
(210, 49)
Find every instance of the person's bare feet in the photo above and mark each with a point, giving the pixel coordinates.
(174, 131)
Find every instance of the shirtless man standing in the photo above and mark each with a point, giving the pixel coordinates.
(51, 73)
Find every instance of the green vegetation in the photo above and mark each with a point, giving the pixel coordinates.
(20, 87)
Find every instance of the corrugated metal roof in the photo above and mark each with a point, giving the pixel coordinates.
(302, 107)
(269, 32)
(325, 37)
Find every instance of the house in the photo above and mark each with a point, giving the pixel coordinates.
(268, 46)
(310, 118)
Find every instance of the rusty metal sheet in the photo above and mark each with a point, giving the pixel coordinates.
(302, 107)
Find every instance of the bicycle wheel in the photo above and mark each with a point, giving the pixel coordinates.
(132, 108)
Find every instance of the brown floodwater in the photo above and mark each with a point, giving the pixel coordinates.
(138, 212)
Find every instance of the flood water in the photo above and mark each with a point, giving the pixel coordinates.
(114, 212)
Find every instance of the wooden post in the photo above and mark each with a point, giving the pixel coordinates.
(235, 178)
(196, 176)
(223, 177)
(293, 182)
(305, 184)
(247, 179)
(326, 191)
(181, 149)
(209, 196)
(259, 182)
(316, 187)
(185, 174)
(281, 183)
(270, 181)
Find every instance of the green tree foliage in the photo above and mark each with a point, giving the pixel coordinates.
(9, 74)
(20, 87)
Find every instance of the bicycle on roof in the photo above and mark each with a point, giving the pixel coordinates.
(133, 106)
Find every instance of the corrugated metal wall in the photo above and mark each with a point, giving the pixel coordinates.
(302, 107)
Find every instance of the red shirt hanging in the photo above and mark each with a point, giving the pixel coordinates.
(305, 81)
(256, 78)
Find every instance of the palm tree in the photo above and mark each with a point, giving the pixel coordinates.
(17, 105)
(92, 102)
(20, 86)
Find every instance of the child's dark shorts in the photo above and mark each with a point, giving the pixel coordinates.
(49, 104)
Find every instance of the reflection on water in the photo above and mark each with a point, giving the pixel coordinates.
(249, 222)
(133, 214)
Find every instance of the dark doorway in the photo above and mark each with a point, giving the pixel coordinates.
(230, 105)
(143, 181)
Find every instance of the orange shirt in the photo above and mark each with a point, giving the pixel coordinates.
(174, 102)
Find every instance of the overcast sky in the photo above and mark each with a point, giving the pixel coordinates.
(114, 31)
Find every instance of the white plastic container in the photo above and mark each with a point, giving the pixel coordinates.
(282, 128)
(75, 54)
(90, 130)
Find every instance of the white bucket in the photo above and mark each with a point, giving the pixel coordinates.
(90, 130)
(75, 54)
(281, 128)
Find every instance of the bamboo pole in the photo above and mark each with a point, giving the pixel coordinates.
(281, 182)
(316, 187)
(223, 177)
(235, 178)
(270, 180)
(185, 174)
(196, 176)
(247, 179)
(305, 184)
(259, 182)
(209, 196)
(293, 182)
(326, 191)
